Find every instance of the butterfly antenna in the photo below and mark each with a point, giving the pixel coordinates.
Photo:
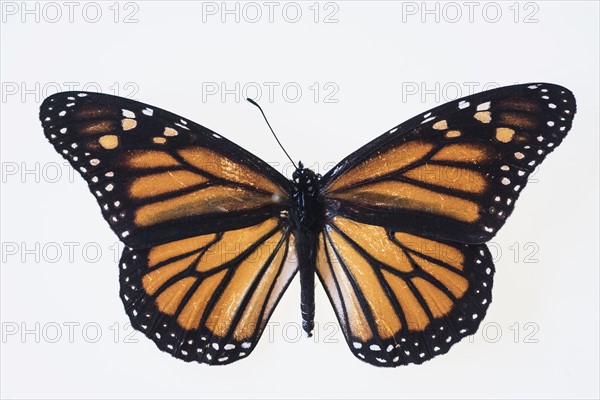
(276, 138)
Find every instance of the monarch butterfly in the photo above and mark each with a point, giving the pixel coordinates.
(395, 232)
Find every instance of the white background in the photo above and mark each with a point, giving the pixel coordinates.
(541, 331)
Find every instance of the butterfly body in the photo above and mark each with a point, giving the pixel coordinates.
(395, 232)
(307, 218)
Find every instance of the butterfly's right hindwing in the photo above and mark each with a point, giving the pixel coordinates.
(401, 298)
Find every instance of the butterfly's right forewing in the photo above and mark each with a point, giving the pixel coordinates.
(456, 171)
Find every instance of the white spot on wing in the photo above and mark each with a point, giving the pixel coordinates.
(483, 106)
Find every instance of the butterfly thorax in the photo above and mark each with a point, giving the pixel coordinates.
(307, 219)
(307, 212)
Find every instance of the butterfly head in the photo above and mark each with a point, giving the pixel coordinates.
(305, 180)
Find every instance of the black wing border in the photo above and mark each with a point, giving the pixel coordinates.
(400, 131)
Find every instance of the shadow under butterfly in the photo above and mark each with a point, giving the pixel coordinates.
(396, 232)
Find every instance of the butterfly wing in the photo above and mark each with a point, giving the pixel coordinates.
(157, 176)
(402, 298)
(208, 298)
(402, 255)
(207, 245)
(456, 171)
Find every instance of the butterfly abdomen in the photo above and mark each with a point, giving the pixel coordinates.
(307, 218)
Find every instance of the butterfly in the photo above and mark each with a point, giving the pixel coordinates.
(395, 232)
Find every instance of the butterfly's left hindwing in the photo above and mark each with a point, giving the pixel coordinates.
(208, 298)
(159, 177)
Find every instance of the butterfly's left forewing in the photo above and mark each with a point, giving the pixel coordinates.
(157, 176)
